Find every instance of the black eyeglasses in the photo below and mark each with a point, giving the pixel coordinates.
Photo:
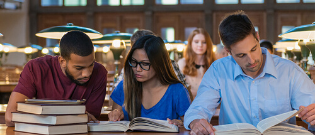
(143, 65)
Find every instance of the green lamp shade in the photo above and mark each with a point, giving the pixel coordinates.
(117, 52)
(108, 38)
(304, 50)
(311, 46)
(285, 43)
(300, 32)
(298, 54)
(290, 54)
(57, 32)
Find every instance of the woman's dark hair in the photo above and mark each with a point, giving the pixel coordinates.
(160, 63)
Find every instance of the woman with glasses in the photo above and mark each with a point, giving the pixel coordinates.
(198, 56)
(150, 87)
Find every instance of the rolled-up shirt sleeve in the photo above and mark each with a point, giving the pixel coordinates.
(207, 99)
(303, 91)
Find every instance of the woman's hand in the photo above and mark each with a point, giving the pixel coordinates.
(176, 122)
(116, 115)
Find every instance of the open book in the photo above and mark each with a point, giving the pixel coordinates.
(138, 124)
(268, 126)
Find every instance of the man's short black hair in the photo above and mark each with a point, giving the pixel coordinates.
(234, 28)
(75, 42)
(267, 44)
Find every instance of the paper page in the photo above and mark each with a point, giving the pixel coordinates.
(274, 120)
(233, 127)
(161, 123)
(286, 128)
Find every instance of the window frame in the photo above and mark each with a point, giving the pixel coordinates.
(120, 5)
(63, 5)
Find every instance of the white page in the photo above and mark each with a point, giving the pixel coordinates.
(274, 120)
(235, 126)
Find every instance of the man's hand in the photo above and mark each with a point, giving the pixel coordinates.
(116, 115)
(201, 127)
(92, 118)
(308, 114)
(175, 122)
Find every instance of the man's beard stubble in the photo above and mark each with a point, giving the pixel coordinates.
(72, 78)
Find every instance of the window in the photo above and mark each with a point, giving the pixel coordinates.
(226, 1)
(308, 1)
(131, 30)
(132, 2)
(256, 29)
(188, 30)
(168, 33)
(285, 29)
(191, 1)
(252, 1)
(119, 2)
(166, 2)
(46, 3)
(108, 30)
(75, 2)
(288, 1)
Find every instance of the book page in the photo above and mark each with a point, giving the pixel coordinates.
(141, 123)
(109, 126)
(274, 120)
(233, 127)
(287, 129)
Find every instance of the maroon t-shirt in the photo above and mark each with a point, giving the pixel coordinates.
(43, 78)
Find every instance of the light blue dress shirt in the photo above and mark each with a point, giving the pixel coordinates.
(281, 87)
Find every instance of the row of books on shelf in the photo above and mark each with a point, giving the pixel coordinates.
(67, 117)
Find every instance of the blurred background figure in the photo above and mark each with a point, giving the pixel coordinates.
(267, 44)
(220, 52)
(198, 56)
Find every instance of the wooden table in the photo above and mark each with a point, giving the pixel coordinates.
(4, 130)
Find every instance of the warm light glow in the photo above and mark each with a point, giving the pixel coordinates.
(180, 48)
(214, 48)
(297, 45)
(116, 43)
(45, 51)
(56, 49)
(95, 49)
(168, 46)
(1, 47)
(306, 40)
(105, 49)
(28, 50)
(6, 49)
(290, 48)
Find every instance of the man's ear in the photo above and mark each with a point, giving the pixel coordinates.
(62, 61)
(257, 35)
(227, 50)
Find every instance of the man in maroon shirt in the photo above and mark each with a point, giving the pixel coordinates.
(73, 75)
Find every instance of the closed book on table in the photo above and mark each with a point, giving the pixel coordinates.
(49, 119)
(51, 129)
(36, 108)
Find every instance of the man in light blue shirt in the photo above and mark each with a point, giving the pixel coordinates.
(251, 84)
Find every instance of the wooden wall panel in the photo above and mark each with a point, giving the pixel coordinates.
(258, 19)
(50, 20)
(178, 20)
(119, 21)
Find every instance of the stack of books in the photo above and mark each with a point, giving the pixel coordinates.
(47, 117)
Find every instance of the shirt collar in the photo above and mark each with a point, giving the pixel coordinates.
(269, 67)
